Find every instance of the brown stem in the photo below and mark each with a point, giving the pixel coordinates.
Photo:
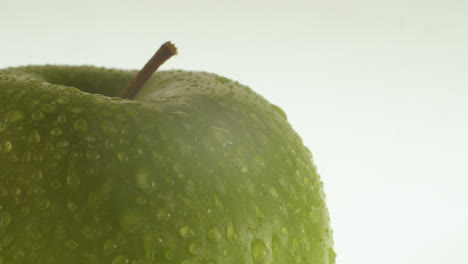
(166, 51)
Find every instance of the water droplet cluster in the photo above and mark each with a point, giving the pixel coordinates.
(212, 173)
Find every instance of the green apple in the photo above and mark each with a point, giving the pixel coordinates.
(196, 168)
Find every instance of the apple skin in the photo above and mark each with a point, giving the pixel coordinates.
(196, 169)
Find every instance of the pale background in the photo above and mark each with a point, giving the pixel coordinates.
(377, 89)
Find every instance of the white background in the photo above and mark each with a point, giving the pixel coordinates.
(377, 89)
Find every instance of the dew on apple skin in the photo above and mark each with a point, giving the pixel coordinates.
(90, 138)
(80, 125)
(37, 115)
(144, 179)
(186, 232)
(130, 218)
(73, 180)
(34, 137)
(55, 184)
(140, 200)
(43, 204)
(92, 154)
(169, 255)
(62, 119)
(120, 259)
(162, 215)
(107, 127)
(77, 110)
(16, 191)
(122, 156)
(72, 206)
(275, 245)
(109, 247)
(259, 213)
(63, 143)
(62, 100)
(214, 233)
(3, 192)
(37, 174)
(195, 248)
(6, 146)
(260, 253)
(48, 108)
(231, 234)
(56, 132)
(3, 126)
(284, 230)
(71, 244)
(5, 219)
(14, 116)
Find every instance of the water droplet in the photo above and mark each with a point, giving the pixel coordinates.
(144, 179)
(37, 175)
(6, 146)
(56, 184)
(122, 156)
(214, 233)
(284, 230)
(77, 109)
(140, 200)
(48, 108)
(7, 240)
(3, 192)
(107, 127)
(90, 138)
(195, 248)
(25, 210)
(186, 232)
(231, 234)
(109, 247)
(14, 116)
(272, 191)
(43, 204)
(120, 259)
(90, 232)
(62, 100)
(92, 154)
(5, 219)
(130, 218)
(80, 125)
(260, 253)
(244, 169)
(37, 115)
(63, 144)
(34, 137)
(163, 215)
(275, 246)
(218, 203)
(259, 213)
(72, 206)
(60, 232)
(331, 255)
(71, 244)
(280, 111)
(62, 119)
(73, 180)
(56, 132)
(169, 255)
(3, 126)
(16, 191)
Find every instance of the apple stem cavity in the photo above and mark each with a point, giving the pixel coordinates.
(166, 51)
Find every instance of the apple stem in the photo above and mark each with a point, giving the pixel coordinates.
(166, 51)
